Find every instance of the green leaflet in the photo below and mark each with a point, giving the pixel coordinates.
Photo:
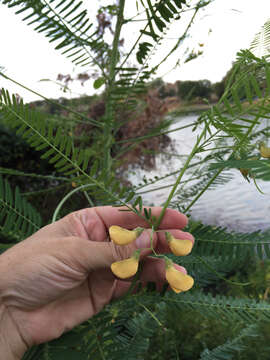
(18, 219)
(99, 82)
(71, 33)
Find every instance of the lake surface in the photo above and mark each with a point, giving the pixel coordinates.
(237, 205)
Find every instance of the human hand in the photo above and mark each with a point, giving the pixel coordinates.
(61, 276)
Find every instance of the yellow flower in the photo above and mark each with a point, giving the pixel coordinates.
(264, 150)
(179, 247)
(177, 280)
(176, 290)
(121, 236)
(126, 268)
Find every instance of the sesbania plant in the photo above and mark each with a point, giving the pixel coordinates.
(232, 134)
(126, 268)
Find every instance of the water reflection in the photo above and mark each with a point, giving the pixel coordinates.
(237, 205)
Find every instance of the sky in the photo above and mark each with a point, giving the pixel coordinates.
(225, 27)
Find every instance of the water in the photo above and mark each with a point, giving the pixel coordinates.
(237, 205)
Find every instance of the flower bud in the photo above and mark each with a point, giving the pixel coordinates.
(264, 150)
(244, 172)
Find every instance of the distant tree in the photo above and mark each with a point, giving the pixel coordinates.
(189, 90)
(166, 91)
(156, 83)
(218, 88)
(235, 75)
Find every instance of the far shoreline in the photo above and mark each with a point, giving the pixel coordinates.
(189, 108)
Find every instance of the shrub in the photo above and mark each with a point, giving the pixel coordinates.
(189, 90)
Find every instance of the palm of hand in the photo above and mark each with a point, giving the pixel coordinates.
(60, 290)
(63, 276)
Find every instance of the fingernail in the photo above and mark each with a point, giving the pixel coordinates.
(143, 241)
(180, 268)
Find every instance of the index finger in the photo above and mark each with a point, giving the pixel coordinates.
(172, 219)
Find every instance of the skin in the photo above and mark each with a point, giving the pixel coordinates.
(61, 276)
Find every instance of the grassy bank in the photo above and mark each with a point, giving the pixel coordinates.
(189, 108)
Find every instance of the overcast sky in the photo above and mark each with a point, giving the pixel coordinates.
(29, 57)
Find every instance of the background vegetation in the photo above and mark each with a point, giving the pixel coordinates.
(61, 156)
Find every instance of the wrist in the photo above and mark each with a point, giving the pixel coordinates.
(12, 346)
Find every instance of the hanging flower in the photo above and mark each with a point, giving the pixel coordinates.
(179, 247)
(121, 236)
(126, 268)
(177, 280)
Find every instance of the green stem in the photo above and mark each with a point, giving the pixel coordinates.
(45, 191)
(218, 275)
(131, 50)
(195, 147)
(150, 313)
(151, 242)
(141, 138)
(168, 175)
(109, 111)
(219, 171)
(203, 190)
(56, 212)
(257, 187)
(4, 247)
(168, 186)
(84, 192)
(79, 37)
(218, 148)
(134, 281)
(156, 134)
(182, 37)
(14, 172)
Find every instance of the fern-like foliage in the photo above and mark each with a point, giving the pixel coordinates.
(230, 348)
(64, 22)
(35, 352)
(14, 172)
(184, 194)
(228, 308)
(260, 45)
(158, 17)
(126, 330)
(207, 270)
(82, 165)
(124, 94)
(211, 241)
(236, 122)
(260, 169)
(18, 219)
(40, 134)
(233, 117)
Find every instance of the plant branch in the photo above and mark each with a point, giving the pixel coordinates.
(193, 152)
(109, 111)
(219, 171)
